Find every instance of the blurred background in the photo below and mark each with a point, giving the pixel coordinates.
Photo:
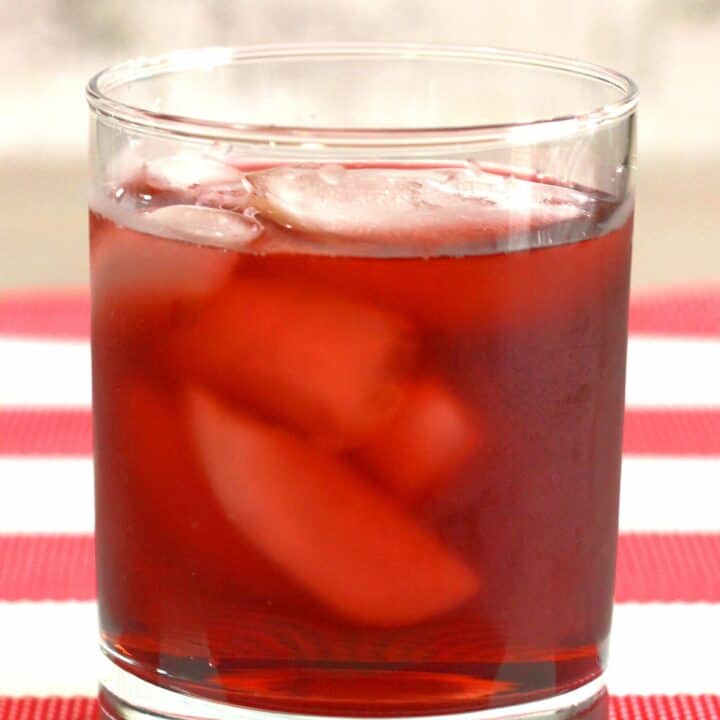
(50, 48)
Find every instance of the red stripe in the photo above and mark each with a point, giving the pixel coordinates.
(61, 314)
(622, 707)
(651, 567)
(45, 432)
(672, 432)
(65, 313)
(647, 432)
(48, 708)
(658, 567)
(692, 312)
(665, 707)
(47, 567)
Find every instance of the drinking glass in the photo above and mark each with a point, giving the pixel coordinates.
(359, 325)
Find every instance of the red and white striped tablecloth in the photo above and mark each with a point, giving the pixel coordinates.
(665, 649)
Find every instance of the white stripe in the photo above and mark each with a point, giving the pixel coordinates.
(672, 372)
(667, 494)
(665, 649)
(46, 495)
(44, 373)
(662, 372)
(662, 494)
(49, 648)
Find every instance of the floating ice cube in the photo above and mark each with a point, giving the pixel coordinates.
(416, 205)
(207, 225)
(187, 170)
(124, 167)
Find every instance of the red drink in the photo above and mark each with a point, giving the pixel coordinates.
(358, 456)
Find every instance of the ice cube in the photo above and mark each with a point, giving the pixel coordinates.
(427, 439)
(351, 548)
(206, 225)
(125, 167)
(326, 365)
(228, 196)
(188, 170)
(422, 207)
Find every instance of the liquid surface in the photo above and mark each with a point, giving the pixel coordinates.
(357, 433)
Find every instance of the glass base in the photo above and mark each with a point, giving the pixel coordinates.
(124, 696)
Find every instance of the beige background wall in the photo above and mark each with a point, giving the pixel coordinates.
(50, 47)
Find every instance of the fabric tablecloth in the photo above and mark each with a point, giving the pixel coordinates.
(665, 647)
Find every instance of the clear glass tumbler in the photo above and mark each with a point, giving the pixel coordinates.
(359, 331)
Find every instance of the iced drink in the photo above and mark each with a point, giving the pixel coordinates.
(358, 431)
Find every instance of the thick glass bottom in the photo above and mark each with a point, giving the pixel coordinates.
(124, 696)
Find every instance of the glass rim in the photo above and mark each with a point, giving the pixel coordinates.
(150, 121)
